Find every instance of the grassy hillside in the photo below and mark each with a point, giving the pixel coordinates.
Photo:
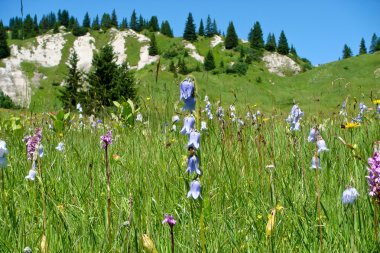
(320, 89)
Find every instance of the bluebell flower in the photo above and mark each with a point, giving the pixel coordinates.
(189, 104)
(188, 124)
(175, 119)
(240, 122)
(194, 140)
(99, 121)
(195, 190)
(187, 89)
(3, 148)
(203, 126)
(349, 195)
(32, 175)
(41, 151)
(321, 144)
(79, 108)
(358, 118)
(315, 163)
(139, 117)
(206, 99)
(248, 116)
(60, 147)
(362, 107)
(343, 111)
(294, 117)
(193, 165)
(3, 162)
(220, 113)
(313, 135)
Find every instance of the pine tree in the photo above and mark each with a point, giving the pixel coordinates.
(70, 94)
(182, 68)
(133, 23)
(347, 53)
(106, 22)
(14, 28)
(271, 43)
(283, 47)
(64, 20)
(256, 36)
(124, 24)
(293, 51)
(141, 24)
(72, 23)
(189, 33)
(4, 49)
(35, 25)
(153, 24)
(114, 22)
(153, 50)
(172, 67)
(201, 31)
(374, 42)
(108, 81)
(362, 48)
(209, 30)
(231, 38)
(86, 20)
(215, 28)
(95, 23)
(166, 29)
(209, 63)
(29, 31)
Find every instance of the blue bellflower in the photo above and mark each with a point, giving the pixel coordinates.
(187, 89)
(321, 144)
(195, 190)
(194, 140)
(315, 163)
(313, 135)
(349, 195)
(193, 165)
(189, 104)
(188, 124)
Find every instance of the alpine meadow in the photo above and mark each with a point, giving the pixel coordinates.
(120, 133)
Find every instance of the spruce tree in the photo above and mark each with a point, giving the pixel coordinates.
(347, 52)
(166, 29)
(271, 43)
(70, 94)
(201, 31)
(124, 24)
(153, 50)
(374, 42)
(95, 23)
(153, 24)
(133, 23)
(71, 23)
(209, 30)
(35, 25)
(114, 22)
(106, 22)
(215, 28)
(86, 20)
(64, 18)
(209, 63)
(189, 33)
(256, 36)
(293, 51)
(283, 47)
(172, 67)
(141, 24)
(231, 38)
(29, 31)
(4, 49)
(362, 48)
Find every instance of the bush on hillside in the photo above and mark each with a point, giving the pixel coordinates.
(239, 68)
(6, 102)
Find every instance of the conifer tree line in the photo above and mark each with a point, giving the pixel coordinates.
(374, 47)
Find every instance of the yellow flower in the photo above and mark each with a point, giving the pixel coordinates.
(351, 125)
(376, 102)
(148, 98)
(116, 157)
(279, 207)
(259, 217)
(271, 221)
(60, 134)
(265, 119)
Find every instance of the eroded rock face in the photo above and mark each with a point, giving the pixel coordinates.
(216, 40)
(46, 53)
(280, 64)
(193, 51)
(84, 46)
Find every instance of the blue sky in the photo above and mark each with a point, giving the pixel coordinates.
(318, 29)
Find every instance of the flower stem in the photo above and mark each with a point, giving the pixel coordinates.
(318, 202)
(172, 237)
(108, 194)
(376, 221)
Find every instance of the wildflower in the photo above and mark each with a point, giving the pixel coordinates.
(220, 113)
(349, 125)
(40, 151)
(116, 157)
(60, 147)
(349, 195)
(343, 111)
(373, 177)
(32, 175)
(376, 102)
(186, 89)
(203, 126)
(175, 119)
(80, 116)
(3, 162)
(206, 99)
(362, 107)
(313, 135)
(170, 220)
(294, 118)
(139, 117)
(321, 144)
(3, 148)
(240, 122)
(315, 163)
(33, 143)
(195, 190)
(194, 139)
(188, 124)
(27, 250)
(193, 165)
(79, 108)
(174, 128)
(271, 222)
(106, 139)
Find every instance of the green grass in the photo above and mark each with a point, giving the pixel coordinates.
(2, 64)
(238, 191)
(132, 50)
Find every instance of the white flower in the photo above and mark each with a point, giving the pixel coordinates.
(203, 126)
(80, 115)
(174, 128)
(175, 118)
(206, 98)
(139, 117)
(32, 175)
(349, 195)
(3, 148)
(41, 151)
(60, 147)
(79, 108)
(321, 144)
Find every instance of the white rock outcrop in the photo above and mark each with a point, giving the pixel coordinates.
(84, 46)
(280, 64)
(216, 40)
(193, 51)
